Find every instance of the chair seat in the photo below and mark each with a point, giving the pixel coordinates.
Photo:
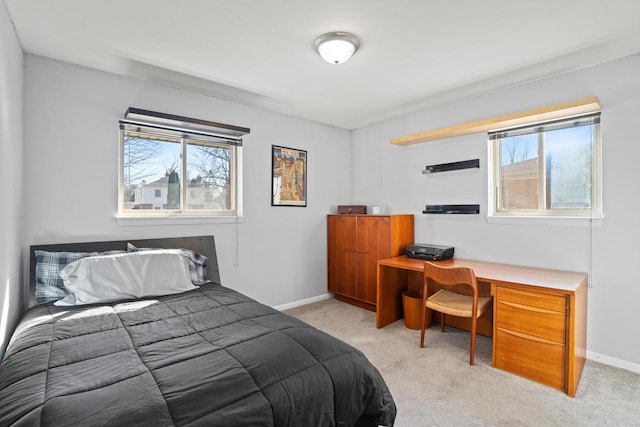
(456, 304)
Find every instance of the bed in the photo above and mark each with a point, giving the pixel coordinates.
(204, 356)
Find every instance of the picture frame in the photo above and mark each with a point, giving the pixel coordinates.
(288, 176)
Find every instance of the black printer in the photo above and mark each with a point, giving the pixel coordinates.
(429, 252)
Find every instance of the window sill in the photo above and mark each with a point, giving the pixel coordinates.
(542, 220)
(182, 220)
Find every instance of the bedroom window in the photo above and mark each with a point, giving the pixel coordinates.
(178, 166)
(547, 169)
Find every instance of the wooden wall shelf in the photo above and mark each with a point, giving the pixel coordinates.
(567, 109)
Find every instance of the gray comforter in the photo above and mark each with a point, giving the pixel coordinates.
(210, 357)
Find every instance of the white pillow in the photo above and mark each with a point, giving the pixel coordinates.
(125, 276)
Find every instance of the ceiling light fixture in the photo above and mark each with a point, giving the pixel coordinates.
(336, 47)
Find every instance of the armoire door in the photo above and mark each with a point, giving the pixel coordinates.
(373, 243)
(342, 254)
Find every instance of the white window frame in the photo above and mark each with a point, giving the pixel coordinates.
(187, 132)
(494, 195)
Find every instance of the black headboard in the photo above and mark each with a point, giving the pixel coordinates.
(204, 245)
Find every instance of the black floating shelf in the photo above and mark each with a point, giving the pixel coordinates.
(444, 167)
(452, 209)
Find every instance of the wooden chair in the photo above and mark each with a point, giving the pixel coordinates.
(448, 301)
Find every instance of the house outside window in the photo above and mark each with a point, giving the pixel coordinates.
(547, 169)
(177, 166)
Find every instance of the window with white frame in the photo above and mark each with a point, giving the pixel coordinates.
(178, 166)
(547, 169)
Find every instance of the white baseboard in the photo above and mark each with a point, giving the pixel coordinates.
(303, 302)
(613, 361)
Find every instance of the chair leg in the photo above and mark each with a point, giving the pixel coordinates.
(442, 322)
(422, 328)
(472, 351)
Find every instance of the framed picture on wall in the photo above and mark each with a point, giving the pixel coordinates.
(288, 176)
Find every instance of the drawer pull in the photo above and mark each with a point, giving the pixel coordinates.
(529, 307)
(529, 337)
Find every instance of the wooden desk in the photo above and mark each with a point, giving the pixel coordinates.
(540, 315)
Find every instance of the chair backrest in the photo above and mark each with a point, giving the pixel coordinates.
(450, 276)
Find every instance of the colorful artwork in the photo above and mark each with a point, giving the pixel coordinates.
(289, 177)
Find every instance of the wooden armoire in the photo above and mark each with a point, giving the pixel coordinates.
(355, 244)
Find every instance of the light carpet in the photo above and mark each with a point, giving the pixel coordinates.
(436, 386)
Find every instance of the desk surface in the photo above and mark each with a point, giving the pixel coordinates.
(501, 273)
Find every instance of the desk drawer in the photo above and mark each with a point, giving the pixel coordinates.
(538, 315)
(533, 299)
(539, 360)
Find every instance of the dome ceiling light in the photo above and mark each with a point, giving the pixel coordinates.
(336, 47)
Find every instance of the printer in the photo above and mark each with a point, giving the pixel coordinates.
(429, 252)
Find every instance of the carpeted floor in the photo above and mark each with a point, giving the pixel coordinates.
(435, 386)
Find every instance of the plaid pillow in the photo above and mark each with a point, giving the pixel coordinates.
(49, 284)
(197, 263)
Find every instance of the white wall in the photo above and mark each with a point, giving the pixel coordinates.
(391, 176)
(71, 157)
(11, 97)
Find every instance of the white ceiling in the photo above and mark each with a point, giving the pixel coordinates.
(413, 53)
